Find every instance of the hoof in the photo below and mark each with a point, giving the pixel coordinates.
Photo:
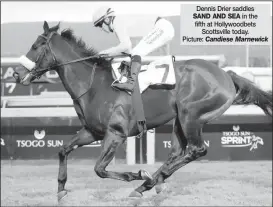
(135, 194)
(145, 175)
(61, 195)
(160, 187)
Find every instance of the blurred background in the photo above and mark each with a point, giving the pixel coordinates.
(37, 119)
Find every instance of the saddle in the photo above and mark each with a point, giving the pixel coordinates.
(158, 74)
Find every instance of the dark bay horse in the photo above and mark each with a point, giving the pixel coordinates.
(203, 92)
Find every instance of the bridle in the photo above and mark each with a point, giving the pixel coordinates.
(38, 73)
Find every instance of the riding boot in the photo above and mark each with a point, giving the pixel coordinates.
(134, 71)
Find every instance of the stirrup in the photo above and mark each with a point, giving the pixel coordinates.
(112, 85)
(118, 88)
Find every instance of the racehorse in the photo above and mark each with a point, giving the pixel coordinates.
(202, 93)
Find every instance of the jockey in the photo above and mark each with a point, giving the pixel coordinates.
(106, 19)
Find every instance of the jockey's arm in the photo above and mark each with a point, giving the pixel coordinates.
(125, 44)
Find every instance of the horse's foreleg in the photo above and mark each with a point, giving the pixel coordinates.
(111, 142)
(83, 137)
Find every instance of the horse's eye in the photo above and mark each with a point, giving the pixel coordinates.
(34, 47)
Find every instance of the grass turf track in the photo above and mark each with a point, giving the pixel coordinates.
(34, 183)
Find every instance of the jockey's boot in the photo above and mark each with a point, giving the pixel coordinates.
(134, 71)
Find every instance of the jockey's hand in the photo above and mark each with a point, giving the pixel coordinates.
(101, 57)
(104, 52)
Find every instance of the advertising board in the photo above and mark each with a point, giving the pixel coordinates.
(230, 138)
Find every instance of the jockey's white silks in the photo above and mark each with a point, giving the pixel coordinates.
(27, 63)
(161, 34)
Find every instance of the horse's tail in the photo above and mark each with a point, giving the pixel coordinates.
(248, 93)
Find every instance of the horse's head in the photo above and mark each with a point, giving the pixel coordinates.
(39, 59)
(259, 140)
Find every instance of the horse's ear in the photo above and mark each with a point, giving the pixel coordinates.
(46, 27)
(55, 28)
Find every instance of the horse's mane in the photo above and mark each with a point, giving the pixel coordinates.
(68, 34)
(80, 46)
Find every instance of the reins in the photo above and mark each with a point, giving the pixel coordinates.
(88, 58)
(48, 39)
(93, 70)
(36, 73)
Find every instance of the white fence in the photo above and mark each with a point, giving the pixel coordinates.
(15, 60)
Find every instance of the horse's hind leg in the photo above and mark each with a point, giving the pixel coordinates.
(196, 149)
(192, 125)
(83, 137)
(179, 143)
(192, 120)
(198, 104)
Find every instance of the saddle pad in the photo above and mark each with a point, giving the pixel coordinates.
(158, 72)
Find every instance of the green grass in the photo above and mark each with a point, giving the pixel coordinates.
(34, 183)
